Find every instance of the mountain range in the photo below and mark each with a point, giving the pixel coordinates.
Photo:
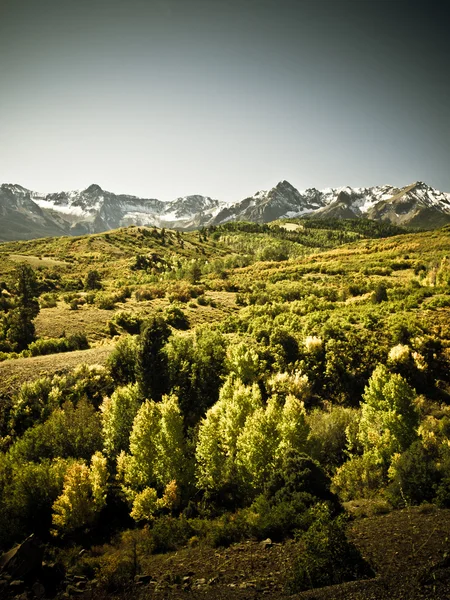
(26, 214)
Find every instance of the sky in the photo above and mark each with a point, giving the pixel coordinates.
(165, 98)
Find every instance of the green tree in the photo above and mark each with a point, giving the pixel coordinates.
(257, 444)
(151, 361)
(389, 418)
(93, 280)
(196, 365)
(18, 326)
(118, 414)
(122, 361)
(158, 453)
(244, 361)
(219, 431)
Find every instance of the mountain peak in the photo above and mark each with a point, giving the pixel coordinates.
(93, 189)
(14, 187)
(282, 185)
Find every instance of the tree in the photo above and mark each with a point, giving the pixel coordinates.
(244, 361)
(219, 431)
(118, 414)
(196, 365)
(151, 361)
(83, 495)
(18, 326)
(389, 418)
(93, 280)
(122, 361)
(257, 444)
(194, 272)
(157, 448)
(26, 287)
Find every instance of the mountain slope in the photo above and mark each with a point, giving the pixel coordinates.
(26, 214)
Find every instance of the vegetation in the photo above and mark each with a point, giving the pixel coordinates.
(261, 378)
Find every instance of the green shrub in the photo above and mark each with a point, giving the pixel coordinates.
(77, 341)
(128, 321)
(414, 476)
(122, 361)
(48, 300)
(175, 317)
(325, 555)
(169, 533)
(93, 280)
(327, 441)
(105, 301)
(360, 477)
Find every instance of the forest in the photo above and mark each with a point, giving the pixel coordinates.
(242, 383)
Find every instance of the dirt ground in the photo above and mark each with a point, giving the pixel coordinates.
(407, 550)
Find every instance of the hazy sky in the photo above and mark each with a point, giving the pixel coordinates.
(163, 98)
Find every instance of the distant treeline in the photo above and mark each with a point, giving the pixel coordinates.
(365, 227)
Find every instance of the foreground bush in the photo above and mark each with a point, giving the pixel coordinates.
(326, 557)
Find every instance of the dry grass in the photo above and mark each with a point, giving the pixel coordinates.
(15, 372)
(36, 261)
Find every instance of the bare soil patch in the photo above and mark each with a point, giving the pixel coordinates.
(406, 548)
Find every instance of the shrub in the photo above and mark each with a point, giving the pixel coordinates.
(128, 321)
(326, 557)
(327, 441)
(150, 293)
(360, 477)
(175, 317)
(93, 280)
(379, 294)
(77, 341)
(48, 300)
(168, 533)
(105, 301)
(122, 361)
(183, 292)
(414, 476)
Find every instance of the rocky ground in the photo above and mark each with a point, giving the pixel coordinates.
(407, 549)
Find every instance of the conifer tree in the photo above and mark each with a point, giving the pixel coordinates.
(151, 361)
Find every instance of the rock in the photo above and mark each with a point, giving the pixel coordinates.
(52, 576)
(24, 560)
(143, 579)
(38, 589)
(74, 591)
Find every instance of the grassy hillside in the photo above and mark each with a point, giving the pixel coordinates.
(241, 383)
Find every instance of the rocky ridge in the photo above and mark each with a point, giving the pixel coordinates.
(26, 214)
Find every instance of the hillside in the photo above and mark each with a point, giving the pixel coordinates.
(215, 404)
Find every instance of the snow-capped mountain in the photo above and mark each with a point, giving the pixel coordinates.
(281, 201)
(25, 214)
(416, 205)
